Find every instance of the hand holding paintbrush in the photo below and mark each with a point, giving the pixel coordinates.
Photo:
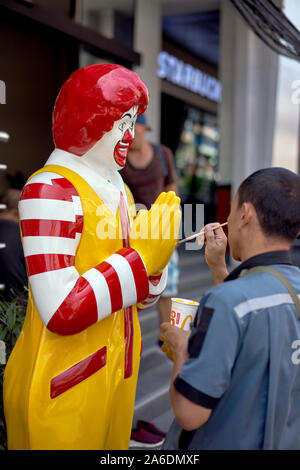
(202, 232)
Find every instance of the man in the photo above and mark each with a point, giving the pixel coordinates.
(12, 264)
(70, 381)
(149, 170)
(236, 381)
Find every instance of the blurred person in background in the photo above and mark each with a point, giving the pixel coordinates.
(150, 170)
(12, 264)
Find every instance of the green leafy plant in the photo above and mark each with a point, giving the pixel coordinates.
(12, 315)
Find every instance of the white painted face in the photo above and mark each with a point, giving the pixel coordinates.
(111, 151)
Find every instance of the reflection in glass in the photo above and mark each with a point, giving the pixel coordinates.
(197, 158)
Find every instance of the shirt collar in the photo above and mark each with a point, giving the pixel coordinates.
(108, 191)
(264, 259)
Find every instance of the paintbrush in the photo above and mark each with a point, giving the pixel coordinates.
(192, 237)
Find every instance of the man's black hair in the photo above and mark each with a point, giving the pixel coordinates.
(275, 195)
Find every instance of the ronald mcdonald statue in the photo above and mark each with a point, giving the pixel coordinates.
(92, 263)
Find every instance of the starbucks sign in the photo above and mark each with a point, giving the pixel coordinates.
(189, 77)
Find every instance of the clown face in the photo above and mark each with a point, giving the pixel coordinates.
(111, 151)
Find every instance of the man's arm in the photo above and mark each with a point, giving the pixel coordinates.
(216, 243)
(203, 362)
(188, 415)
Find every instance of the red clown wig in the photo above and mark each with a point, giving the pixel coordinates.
(89, 103)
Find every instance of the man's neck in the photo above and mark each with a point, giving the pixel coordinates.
(264, 246)
(257, 246)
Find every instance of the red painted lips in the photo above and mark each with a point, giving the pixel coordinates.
(122, 148)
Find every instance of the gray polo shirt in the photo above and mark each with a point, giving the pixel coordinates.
(245, 363)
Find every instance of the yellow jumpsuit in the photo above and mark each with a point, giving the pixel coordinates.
(97, 412)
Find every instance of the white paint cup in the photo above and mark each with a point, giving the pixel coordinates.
(183, 312)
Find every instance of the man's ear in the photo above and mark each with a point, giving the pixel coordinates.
(247, 212)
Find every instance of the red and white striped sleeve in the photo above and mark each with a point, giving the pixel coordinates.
(157, 285)
(51, 223)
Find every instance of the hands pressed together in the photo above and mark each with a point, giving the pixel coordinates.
(154, 233)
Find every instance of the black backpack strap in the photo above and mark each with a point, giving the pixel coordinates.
(281, 277)
(159, 152)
